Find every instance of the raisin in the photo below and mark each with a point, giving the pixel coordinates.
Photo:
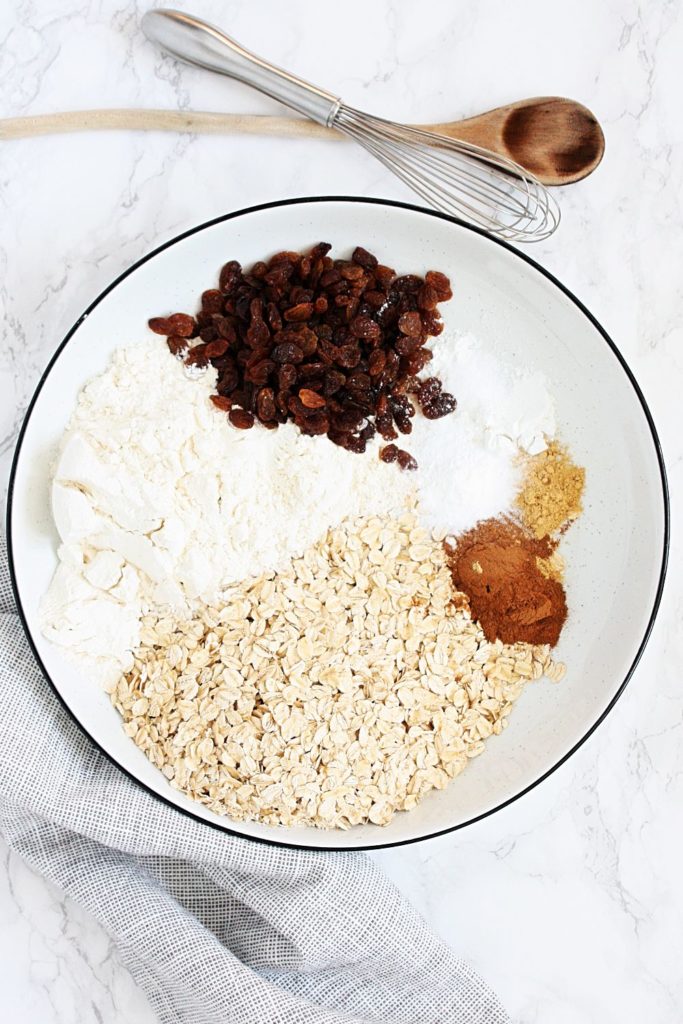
(431, 324)
(230, 276)
(393, 361)
(376, 362)
(277, 278)
(399, 403)
(286, 257)
(176, 345)
(286, 376)
(406, 460)
(221, 402)
(330, 277)
(364, 258)
(417, 361)
(273, 317)
(429, 390)
(208, 333)
(384, 276)
(311, 399)
(339, 437)
(384, 424)
(327, 351)
(405, 345)
(348, 419)
(241, 419)
(410, 324)
(204, 319)
(260, 371)
(287, 352)
(427, 297)
(348, 356)
(356, 444)
(182, 325)
(212, 301)
(358, 381)
(332, 382)
(160, 325)
(216, 349)
(307, 340)
(242, 397)
(257, 334)
(227, 380)
(321, 249)
(442, 405)
(440, 283)
(365, 327)
(374, 299)
(351, 272)
(312, 372)
(302, 311)
(316, 424)
(282, 401)
(410, 385)
(408, 284)
(265, 404)
(197, 357)
(389, 453)
(242, 307)
(225, 328)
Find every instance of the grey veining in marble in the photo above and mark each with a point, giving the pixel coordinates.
(570, 902)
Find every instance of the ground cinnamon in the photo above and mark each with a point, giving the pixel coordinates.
(496, 564)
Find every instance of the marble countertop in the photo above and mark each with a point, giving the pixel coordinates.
(570, 901)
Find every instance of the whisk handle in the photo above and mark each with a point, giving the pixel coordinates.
(198, 43)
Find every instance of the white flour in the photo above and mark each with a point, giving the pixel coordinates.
(159, 500)
(467, 461)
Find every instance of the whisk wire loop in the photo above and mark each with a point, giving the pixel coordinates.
(457, 178)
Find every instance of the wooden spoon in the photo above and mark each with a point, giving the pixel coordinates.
(558, 140)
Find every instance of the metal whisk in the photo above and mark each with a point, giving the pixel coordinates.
(455, 177)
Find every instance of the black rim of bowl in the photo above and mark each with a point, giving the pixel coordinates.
(307, 200)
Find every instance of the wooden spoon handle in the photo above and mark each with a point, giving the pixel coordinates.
(200, 122)
(161, 120)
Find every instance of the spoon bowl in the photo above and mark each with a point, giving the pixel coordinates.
(559, 140)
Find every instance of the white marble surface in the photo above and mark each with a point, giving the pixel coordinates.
(570, 902)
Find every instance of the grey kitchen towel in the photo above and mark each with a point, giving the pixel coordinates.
(214, 928)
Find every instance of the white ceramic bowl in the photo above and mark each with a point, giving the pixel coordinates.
(616, 553)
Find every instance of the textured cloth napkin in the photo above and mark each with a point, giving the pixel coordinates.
(214, 928)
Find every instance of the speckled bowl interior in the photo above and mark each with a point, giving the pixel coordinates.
(615, 554)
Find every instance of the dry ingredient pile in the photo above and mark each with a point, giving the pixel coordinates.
(551, 496)
(496, 565)
(338, 691)
(335, 346)
(293, 630)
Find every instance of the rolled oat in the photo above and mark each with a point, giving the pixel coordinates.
(334, 693)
